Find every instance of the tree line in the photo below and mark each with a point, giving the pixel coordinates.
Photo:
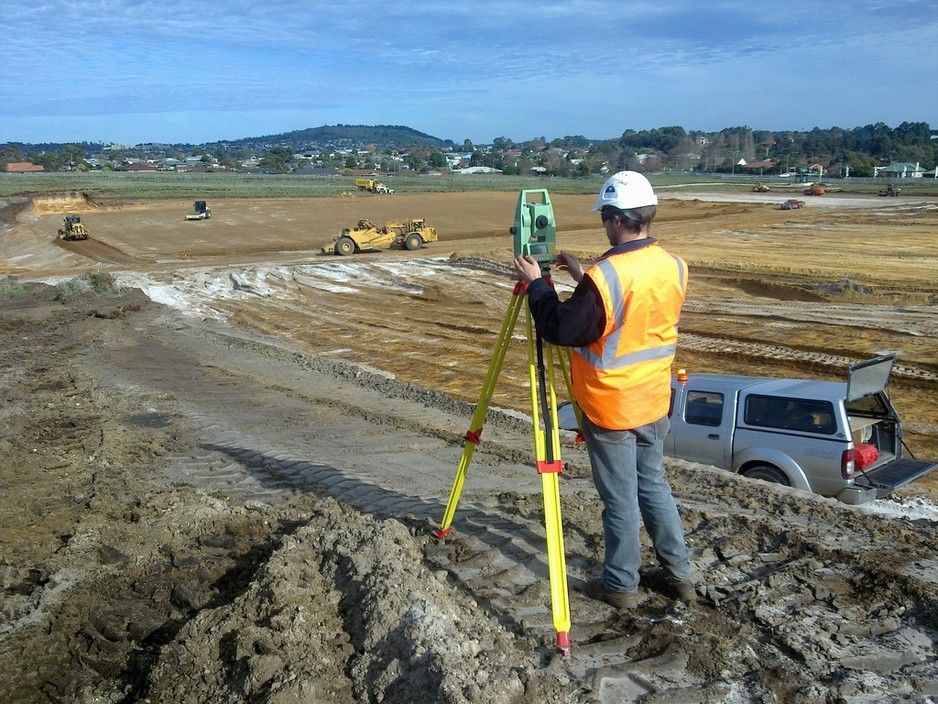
(840, 151)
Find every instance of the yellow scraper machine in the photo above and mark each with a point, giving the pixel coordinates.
(366, 236)
(534, 233)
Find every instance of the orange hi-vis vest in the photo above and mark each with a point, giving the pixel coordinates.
(623, 379)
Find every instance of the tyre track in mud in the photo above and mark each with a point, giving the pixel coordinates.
(387, 315)
(99, 251)
(819, 360)
(271, 423)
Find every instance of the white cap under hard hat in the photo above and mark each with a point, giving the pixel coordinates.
(626, 190)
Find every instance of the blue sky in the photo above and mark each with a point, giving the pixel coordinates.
(130, 71)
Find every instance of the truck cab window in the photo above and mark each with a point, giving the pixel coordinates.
(704, 408)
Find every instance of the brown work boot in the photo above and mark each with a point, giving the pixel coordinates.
(661, 580)
(595, 589)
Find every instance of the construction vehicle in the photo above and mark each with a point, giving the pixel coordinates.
(839, 439)
(72, 228)
(372, 185)
(816, 189)
(410, 234)
(791, 204)
(890, 190)
(760, 188)
(199, 211)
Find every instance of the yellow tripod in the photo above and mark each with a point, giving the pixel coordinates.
(546, 449)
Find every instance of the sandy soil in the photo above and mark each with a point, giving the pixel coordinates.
(224, 453)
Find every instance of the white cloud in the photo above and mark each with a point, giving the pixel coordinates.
(477, 69)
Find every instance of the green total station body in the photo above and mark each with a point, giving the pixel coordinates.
(535, 230)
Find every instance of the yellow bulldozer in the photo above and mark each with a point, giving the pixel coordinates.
(411, 235)
(72, 228)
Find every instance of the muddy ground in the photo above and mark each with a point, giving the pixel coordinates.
(223, 455)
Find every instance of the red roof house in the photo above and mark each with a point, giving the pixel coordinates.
(22, 167)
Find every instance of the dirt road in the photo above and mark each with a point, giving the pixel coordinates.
(223, 490)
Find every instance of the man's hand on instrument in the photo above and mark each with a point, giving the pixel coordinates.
(527, 268)
(569, 263)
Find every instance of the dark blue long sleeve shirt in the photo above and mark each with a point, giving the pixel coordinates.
(579, 320)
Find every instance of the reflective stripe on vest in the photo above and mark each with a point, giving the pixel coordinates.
(609, 358)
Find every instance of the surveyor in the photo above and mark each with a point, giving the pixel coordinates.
(621, 322)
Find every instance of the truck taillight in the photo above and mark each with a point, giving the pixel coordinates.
(848, 467)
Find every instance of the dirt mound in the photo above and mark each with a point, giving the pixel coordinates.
(848, 286)
(64, 202)
(345, 611)
(10, 209)
(763, 288)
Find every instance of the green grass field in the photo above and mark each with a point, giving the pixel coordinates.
(131, 186)
(126, 186)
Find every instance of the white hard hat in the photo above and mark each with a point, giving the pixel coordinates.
(626, 190)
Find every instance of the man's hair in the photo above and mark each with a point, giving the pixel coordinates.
(637, 218)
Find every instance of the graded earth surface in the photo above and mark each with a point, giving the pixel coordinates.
(224, 455)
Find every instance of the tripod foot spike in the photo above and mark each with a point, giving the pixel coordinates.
(441, 533)
(563, 643)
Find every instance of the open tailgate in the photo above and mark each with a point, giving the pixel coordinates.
(890, 476)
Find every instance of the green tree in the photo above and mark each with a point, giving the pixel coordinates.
(48, 161)
(436, 160)
(9, 152)
(859, 164)
(72, 156)
(225, 158)
(279, 158)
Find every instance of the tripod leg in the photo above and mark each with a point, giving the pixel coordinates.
(556, 561)
(473, 436)
(549, 466)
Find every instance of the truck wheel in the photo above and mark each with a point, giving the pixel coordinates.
(345, 246)
(413, 241)
(767, 473)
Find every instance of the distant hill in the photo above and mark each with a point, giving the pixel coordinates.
(352, 135)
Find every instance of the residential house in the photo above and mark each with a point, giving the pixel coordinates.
(22, 167)
(139, 167)
(901, 169)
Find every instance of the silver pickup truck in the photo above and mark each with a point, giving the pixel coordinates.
(832, 438)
